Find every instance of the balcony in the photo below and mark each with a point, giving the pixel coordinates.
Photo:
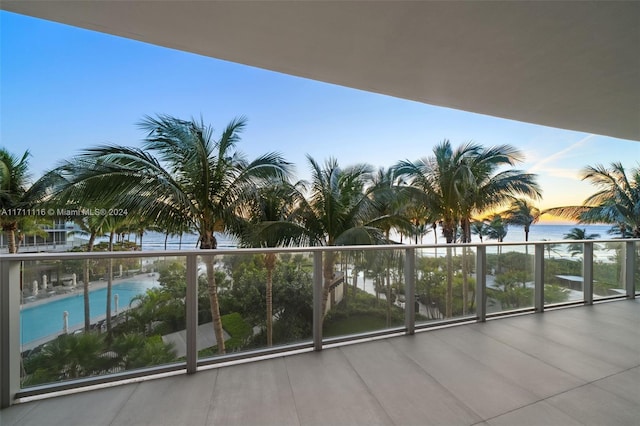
(566, 366)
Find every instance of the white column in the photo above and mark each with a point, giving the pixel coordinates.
(65, 322)
(9, 331)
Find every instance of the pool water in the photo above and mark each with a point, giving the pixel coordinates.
(44, 320)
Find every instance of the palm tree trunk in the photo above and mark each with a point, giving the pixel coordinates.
(465, 283)
(449, 296)
(213, 300)
(388, 294)
(85, 291)
(270, 263)
(109, 285)
(327, 274)
(87, 313)
(11, 229)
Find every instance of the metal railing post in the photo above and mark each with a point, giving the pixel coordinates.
(481, 283)
(539, 278)
(587, 273)
(9, 331)
(629, 269)
(191, 307)
(318, 315)
(410, 290)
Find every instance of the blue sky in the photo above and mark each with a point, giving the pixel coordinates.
(64, 89)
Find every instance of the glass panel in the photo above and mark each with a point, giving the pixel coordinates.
(65, 335)
(510, 278)
(445, 283)
(563, 273)
(251, 316)
(364, 291)
(608, 269)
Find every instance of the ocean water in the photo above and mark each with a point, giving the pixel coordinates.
(539, 232)
(153, 241)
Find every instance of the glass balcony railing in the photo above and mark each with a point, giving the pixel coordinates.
(144, 313)
(510, 278)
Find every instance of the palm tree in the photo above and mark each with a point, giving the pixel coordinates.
(439, 179)
(487, 188)
(192, 178)
(269, 225)
(550, 247)
(112, 225)
(480, 228)
(16, 195)
(457, 183)
(522, 213)
(339, 210)
(578, 234)
(497, 228)
(93, 226)
(617, 201)
(389, 200)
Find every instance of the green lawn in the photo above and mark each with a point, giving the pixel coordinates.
(358, 323)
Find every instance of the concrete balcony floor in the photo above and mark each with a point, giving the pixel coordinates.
(569, 366)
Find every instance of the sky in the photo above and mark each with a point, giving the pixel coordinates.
(64, 89)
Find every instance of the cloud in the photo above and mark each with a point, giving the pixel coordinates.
(563, 173)
(559, 155)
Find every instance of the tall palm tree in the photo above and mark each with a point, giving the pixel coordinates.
(180, 174)
(578, 234)
(270, 225)
(617, 201)
(480, 228)
(112, 225)
(93, 226)
(489, 188)
(522, 213)
(440, 179)
(459, 182)
(389, 200)
(17, 195)
(497, 228)
(338, 211)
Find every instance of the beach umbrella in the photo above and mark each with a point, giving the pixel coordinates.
(34, 288)
(44, 282)
(115, 300)
(73, 280)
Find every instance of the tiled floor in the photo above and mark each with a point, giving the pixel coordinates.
(565, 367)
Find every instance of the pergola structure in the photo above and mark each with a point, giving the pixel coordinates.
(573, 65)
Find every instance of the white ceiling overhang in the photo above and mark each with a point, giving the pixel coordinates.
(573, 65)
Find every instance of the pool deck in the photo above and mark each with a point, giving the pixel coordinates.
(62, 292)
(572, 366)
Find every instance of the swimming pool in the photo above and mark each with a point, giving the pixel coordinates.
(38, 322)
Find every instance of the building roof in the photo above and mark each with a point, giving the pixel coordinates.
(573, 65)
